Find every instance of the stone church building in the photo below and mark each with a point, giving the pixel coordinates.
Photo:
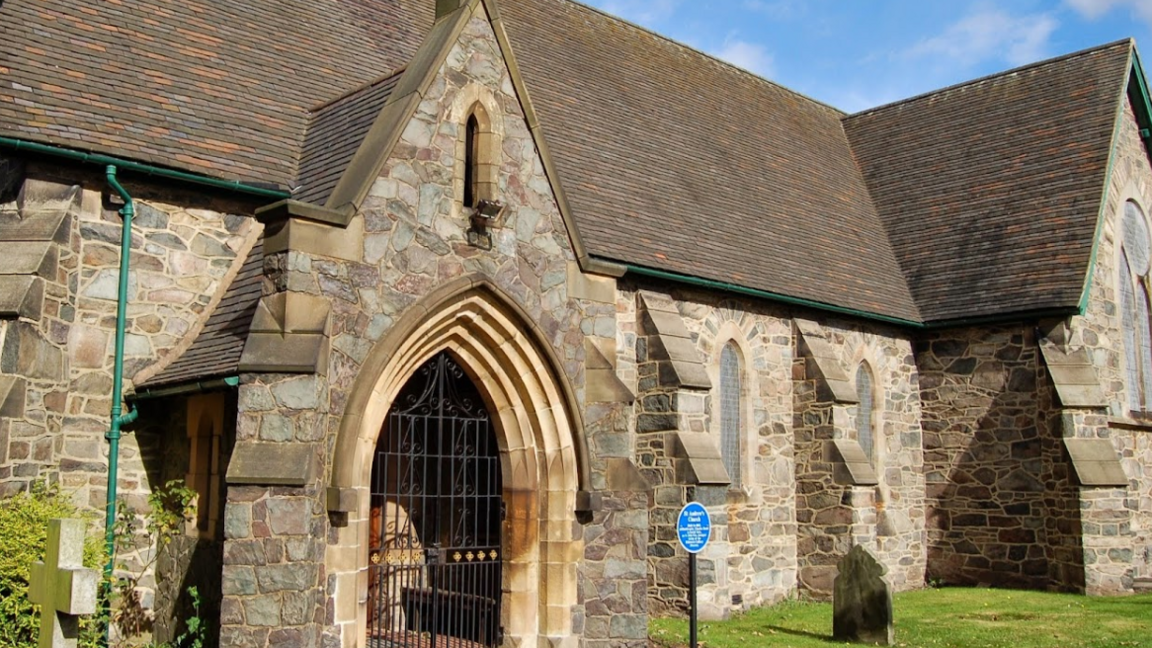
(446, 308)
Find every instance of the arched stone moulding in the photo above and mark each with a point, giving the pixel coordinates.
(538, 432)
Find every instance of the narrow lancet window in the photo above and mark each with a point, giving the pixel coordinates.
(864, 391)
(730, 406)
(471, 161)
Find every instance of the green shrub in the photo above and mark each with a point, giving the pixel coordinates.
(23, 536)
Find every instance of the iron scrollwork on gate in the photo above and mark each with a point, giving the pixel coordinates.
(435, 547)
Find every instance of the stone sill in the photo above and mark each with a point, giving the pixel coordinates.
(1128, 423)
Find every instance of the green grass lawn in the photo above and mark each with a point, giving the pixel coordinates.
(948, 617)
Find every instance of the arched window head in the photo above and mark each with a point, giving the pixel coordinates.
(731, 402)
(866, 394)
(1135, 266)
(471, 161)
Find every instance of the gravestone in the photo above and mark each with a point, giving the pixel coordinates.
(61, 585)
(862, 600)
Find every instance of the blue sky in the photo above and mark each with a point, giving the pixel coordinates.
(856, 54)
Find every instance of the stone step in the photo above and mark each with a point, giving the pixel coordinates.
(1141, 585)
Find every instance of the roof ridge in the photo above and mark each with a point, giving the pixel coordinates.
(704, 54)
(1129, 41)
(360, 88)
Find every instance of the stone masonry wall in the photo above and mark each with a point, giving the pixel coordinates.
(752, 558)
(414, 240)
(184, 245)
(984, 454)
(887, 518)
(1117, 523)
(825, 510)
(1006, 507)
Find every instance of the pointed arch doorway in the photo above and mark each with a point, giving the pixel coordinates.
(437, 509)
(543, 476)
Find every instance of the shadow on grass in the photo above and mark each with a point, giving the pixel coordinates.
(802, 633)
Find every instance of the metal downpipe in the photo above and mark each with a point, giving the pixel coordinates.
(117, 418)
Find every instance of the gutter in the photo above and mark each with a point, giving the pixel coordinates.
(764, 294)
(198, 387)
(146, 169)
(118, 419)
(842, 310)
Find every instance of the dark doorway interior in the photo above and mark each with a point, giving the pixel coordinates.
(435, 540)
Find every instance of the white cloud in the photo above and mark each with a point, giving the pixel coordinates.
(1093, 9)
(641, 12)
(991, 34)
(753, 57)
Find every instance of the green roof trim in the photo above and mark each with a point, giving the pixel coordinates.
(185, 389)
(146, 169)
(762, 294)
(737, 289)
(1138, 93)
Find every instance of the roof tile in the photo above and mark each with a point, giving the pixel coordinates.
(990, 190)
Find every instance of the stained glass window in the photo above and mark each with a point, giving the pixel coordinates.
(730, 399)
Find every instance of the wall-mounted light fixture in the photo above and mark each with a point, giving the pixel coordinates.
(485, 216)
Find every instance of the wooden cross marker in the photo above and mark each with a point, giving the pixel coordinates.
(61, 586)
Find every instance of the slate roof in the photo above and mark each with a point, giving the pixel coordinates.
(216, 351)
(670, 159)
(219, 87)
(674, 160)
(335, 131)
(991, 190)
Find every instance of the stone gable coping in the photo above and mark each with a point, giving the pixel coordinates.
(824, 355)
(271, 464)
(1074, 376)
(683, 366)
(1096, 462)
(850, 466)
(369, 158)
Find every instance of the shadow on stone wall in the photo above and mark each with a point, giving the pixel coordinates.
(188, 562)
(195, 558)
(1001, 510)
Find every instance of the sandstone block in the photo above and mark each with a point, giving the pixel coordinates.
(21, 296)
(27, 353)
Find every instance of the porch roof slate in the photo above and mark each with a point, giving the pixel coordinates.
(215, 353)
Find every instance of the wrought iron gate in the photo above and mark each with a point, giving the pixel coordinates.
(435, 550)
